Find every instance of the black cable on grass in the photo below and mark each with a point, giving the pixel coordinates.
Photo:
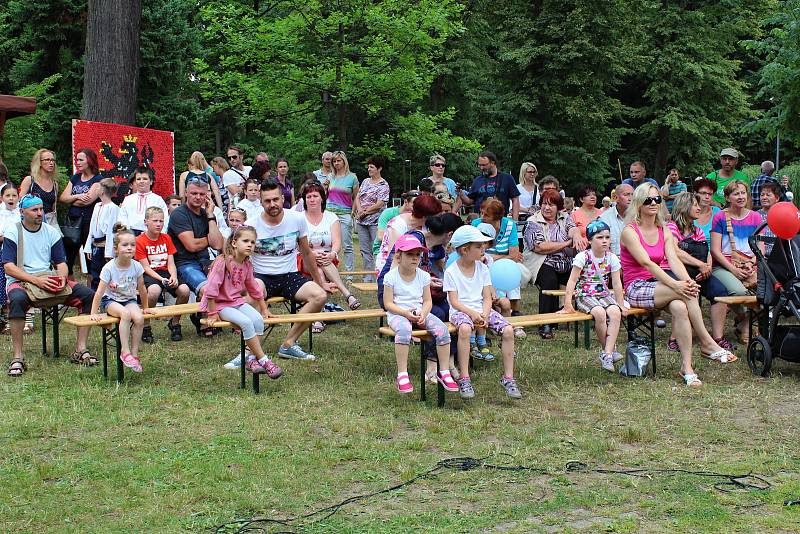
(728, 483)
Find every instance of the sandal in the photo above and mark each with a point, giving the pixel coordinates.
(17, 367)
(317, 327)
(721, 356)
(672, 345)
(724, 343)
(546, 333)
(175, 332)
(353, 302)
(27, 329)
(83, 358)
(691, 380)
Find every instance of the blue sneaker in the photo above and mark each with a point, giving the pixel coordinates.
(295, 352)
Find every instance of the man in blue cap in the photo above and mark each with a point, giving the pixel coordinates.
(43, 250)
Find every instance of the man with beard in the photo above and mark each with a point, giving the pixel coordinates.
(280, 234)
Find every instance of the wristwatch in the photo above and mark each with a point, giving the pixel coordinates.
(211, 218)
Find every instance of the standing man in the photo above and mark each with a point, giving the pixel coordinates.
(728, 160)
(767, 169)
(280, 233)
(238, 173)
(673, 186)
(491, 183)
(638, 176)
(325, 172)
(193, 228)
(42, 249)
(614, 216)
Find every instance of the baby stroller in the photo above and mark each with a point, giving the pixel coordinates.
(778, 293)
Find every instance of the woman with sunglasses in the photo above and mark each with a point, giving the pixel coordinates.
(528, 189)
(197, 166)
(43, 183)
(654, 278)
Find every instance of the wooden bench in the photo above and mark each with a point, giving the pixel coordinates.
(356, 273)
(365, 286)
(110, 333)
(745, 300)
(756, 314)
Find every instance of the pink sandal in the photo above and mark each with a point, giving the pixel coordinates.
(132, 362)
(447, 381)
(404, 383)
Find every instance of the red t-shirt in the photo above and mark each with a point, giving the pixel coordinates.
(156, 252)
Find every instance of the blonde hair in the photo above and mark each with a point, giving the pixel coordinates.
(637, 201)
(36, 165)
(197, 160)
(151, 210)
(523, 169)
(109, 186)
(341, 155)
(119, 231)
(221, 163)
(681, 208)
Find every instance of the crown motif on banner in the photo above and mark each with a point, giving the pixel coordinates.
(129, 138)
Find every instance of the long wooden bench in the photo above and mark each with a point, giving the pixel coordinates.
(356, 273)
(365, 286)
(110, 333)
(271, 322)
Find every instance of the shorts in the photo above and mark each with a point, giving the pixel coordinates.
(496, 321)
(282, 285)
(586, 303)
(150, 281)
(105, 301)
(641, 294)
(193, 274)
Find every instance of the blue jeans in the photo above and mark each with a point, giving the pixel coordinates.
(246, 318)
(193, 275)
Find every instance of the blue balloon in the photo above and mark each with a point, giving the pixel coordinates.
(506, 275)
(451, 259)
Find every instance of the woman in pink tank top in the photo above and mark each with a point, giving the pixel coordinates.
(655, 278)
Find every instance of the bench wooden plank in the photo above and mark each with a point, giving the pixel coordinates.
(554, 292)
(422, 334)
(311, 317)
(356, 273)
(746, 300)
(365, 286)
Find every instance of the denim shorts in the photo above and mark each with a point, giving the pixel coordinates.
(193, 275)
(105, 301)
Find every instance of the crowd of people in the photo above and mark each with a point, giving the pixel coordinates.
(234, 235)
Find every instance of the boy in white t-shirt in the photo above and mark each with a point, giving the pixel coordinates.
(469, 293)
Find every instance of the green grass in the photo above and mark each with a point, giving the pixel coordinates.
(180, 448)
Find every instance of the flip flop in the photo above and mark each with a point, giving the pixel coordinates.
(691, 380)
(721, 356)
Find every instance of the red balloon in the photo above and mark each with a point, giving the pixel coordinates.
(784, 220)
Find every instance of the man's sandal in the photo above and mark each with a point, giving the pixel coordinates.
(17, 367)
(83, 358)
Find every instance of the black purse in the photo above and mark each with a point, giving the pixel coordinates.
(71, 229)
(696, 249)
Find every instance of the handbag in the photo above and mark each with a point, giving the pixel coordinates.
(40, 298)
(71, 229)
(696, 249)
(740, 260)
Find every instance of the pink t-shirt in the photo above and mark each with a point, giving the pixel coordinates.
(631, 269)
(225, 284)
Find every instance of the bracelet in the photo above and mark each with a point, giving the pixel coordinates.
(211, 219)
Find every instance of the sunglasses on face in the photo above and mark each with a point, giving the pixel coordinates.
(438, 165)
(652, 200)
(235, 156)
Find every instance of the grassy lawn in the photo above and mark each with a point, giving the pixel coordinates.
(180, 448)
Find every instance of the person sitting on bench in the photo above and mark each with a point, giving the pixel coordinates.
(42, 248)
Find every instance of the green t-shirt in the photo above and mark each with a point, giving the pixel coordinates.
(386, 215)
(719, 196)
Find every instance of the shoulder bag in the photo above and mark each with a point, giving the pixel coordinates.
(740, 260)
(40, 298)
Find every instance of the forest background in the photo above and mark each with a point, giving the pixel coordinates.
(573, 86)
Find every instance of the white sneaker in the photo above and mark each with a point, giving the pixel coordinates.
(236, 362)
(607, 362)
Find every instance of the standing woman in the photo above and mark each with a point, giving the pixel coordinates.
(587, 209)
(373, 194)
(197, 166)
(287, 187)
(528, 189)
(81, 193)
(342, 192)
(42, 182)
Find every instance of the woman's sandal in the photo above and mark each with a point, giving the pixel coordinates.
(317, 327)
(721, 356)
(83, 358)
(353, 302)
(691, 380)
(27, 329)
(202, 331)
(17, 367)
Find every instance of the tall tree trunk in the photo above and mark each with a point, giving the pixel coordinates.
(111, 67)
(341, 107)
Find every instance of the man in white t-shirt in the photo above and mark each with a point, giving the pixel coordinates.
(237, 174)
(280, 234)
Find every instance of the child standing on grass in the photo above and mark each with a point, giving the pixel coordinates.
(98, 247)
(587, 283)
(120, 279)
(9, 216)
(230, 274)
(469, 292)
(407, 300)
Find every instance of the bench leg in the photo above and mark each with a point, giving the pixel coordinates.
(310, 338)
(120, 367)
(586, 330)
(44, 332)
(105, 335)
(576, 335)
(243, 379)
(422, 369)
(55, 318)
(256, 384)
(652, 328)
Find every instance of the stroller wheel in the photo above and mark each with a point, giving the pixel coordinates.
(759, 356)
